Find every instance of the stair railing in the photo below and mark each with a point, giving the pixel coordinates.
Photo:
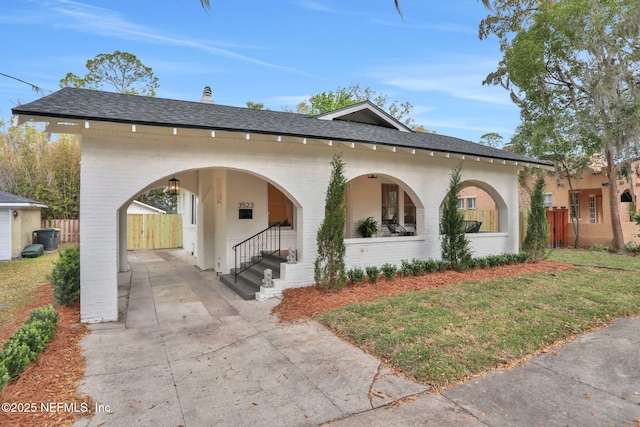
(256, 248)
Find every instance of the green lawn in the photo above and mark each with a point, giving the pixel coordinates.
(595, 259)
(443, 335)
(19, 281)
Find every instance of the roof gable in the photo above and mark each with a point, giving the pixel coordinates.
(367, 113)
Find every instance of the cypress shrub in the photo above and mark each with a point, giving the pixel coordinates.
(455, 246)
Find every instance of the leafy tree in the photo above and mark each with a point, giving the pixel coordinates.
(37, 168)
(159, 198)
(255, 105)
(327, 101)
(492, 139)
(573, 69)
(570, 156)
(329, 265)
(121, 70)
(455, 246)
(345, 96)
(537, 238)
(420, 128)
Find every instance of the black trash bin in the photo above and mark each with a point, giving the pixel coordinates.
(56, 237)
(47, 238)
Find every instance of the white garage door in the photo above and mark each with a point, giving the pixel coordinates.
(5, 234)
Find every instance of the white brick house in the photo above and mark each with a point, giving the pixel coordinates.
(233, 160)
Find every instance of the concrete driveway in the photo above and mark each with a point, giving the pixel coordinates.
(190, 352)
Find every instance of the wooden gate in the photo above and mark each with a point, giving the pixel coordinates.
(558, 227)
(149, 231)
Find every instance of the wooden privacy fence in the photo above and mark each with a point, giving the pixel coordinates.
(557, 220)
(490, 220)
(69, 229)
(149, 231)
(524, 221)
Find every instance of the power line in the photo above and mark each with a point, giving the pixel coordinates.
(34, 87)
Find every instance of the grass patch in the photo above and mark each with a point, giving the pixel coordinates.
(441, 336)
(602, 259)
(19, 281)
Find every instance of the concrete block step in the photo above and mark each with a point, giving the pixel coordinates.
(245, 289)
(250, 280)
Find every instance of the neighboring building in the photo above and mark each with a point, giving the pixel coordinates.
(19, 218)
(139, 208)
(587, 201)
(241, 170)
(474, 198)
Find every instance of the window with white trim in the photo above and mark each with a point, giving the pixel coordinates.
(461, 204)
(471, 203)
(547, 200)
(593, 211)
(194, 209)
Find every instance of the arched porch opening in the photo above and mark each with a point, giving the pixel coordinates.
(223, 206)
(393, 205)
(484, 210)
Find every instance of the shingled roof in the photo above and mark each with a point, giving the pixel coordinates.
(90, 105)
(13, 201)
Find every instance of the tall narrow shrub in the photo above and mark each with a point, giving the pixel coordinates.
(329, 266)
(537, 238)
(454, 246)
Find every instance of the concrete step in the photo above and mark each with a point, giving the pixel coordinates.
(245, 289)
(250, 280)
(273, 262)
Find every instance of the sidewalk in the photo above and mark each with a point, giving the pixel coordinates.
(191, 352)
(593, 381)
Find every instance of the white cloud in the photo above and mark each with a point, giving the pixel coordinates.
(461, 123)
(314, 5)
(108, 23)
(461, 78)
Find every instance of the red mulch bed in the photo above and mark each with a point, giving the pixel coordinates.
(303, 303)
(54, 376)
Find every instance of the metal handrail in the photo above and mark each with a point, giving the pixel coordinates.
(256, 248)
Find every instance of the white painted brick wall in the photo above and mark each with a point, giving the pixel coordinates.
(118, 164)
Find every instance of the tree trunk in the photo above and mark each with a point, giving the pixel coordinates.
(614, 205)
(574, 221)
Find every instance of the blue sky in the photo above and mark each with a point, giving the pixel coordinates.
(276, 52)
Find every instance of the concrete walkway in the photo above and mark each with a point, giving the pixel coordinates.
(190, 352)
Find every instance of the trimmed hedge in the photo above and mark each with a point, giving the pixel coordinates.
(27, 342)
(356, 275)
(389, 271)
(373, 273)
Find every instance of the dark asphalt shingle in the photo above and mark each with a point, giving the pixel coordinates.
(84, 104)
(8, 199)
